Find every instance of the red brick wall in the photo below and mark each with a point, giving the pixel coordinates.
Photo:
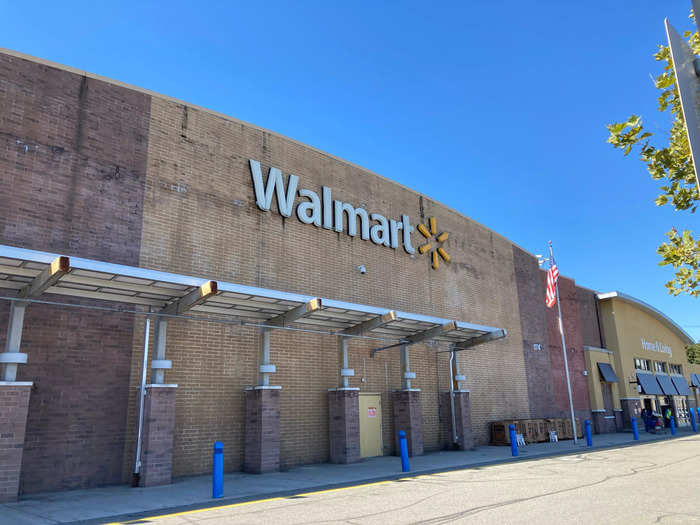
(14, 401)
(158, 430)
(574, 346)
(533, 323)
(74, 152)
(591, 331)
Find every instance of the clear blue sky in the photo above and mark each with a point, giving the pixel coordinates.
(496, 108)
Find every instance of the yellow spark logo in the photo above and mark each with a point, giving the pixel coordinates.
(428, 233)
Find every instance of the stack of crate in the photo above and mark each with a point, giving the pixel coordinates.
(534, 430)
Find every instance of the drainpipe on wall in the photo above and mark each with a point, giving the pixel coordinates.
(455, 438)
(136, 477)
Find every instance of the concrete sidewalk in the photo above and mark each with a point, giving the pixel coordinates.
(121, 502)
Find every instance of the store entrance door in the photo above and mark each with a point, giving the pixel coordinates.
(371, 425)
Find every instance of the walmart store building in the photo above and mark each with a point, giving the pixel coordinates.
(295, 306)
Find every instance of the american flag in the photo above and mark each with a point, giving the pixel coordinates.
(552, 277)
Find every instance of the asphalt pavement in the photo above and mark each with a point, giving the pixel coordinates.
(650, 483)
(122, 503)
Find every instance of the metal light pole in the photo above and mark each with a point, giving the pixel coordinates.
(563, 349)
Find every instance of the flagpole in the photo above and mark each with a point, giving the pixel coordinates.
(563, 349)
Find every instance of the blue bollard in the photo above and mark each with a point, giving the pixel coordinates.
(513, 440)
(217, 474)
(692, 420)
(635, 430)
(403, 448)
(673, 426)
(698, 409)
(589, 436)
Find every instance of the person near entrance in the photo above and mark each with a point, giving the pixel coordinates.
(667, 417)
(646, 417)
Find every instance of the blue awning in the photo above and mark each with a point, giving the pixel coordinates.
(607, 373)
(649, 384)
(666, 385)
(681, 385)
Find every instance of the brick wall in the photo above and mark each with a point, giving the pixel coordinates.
(591, 331)
(158, 431)
(533, 322)
(84, 154)
(210, 226)
(73, 149)
(575, 355)
(14, 401)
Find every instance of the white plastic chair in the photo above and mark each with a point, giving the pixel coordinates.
(520, 440)
(553, 436)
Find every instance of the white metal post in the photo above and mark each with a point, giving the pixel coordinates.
(14, 339)
(265, 357)
(159, 354)
(405, 368)
(343, 344)
(563, 349)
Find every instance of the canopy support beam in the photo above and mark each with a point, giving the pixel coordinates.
(371, 324)
(491, 336)
(294, 314)
(192, 299)
(59, 267)
(432, 333)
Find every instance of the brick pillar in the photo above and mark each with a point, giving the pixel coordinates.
(631, 408)
(463, 419)
(409, 418)
(619, 424)
(344, 425)
(14, 406)
(158, 432)
(262, 430)
(605, 423)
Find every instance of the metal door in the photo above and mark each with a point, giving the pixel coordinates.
(371, 425)
(607, 398)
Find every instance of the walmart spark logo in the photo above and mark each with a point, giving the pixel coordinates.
(428, 246)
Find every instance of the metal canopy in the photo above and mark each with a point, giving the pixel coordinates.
(32, 273)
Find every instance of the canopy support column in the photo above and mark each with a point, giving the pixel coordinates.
(262, 413)
(156, 427)
(406, 374)
(345, 372)
(12, 356)
(459, 422)
(408, 415)
(344, 412)
(14, 406)
(159, 364)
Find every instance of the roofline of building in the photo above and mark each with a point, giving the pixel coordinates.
(670, 323)
(112, 81)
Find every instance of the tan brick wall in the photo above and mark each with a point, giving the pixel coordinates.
(200, 218)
